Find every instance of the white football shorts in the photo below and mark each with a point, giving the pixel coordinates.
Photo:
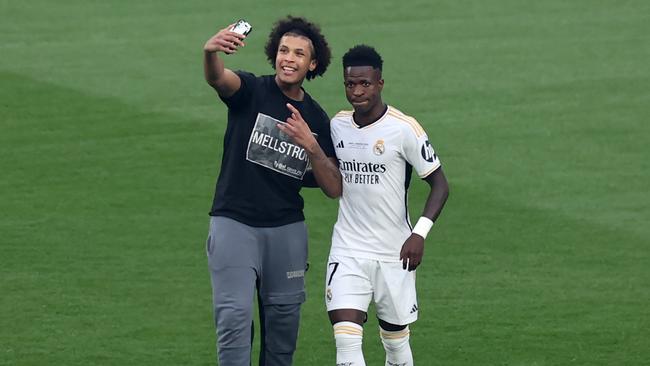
(351, 283)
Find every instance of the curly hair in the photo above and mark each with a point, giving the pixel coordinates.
(362, 55)
(302, 27)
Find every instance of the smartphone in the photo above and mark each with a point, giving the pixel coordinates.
(242, 27)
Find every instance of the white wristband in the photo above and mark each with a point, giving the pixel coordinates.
(423, 226)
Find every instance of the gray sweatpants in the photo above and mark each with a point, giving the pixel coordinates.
(244, 260)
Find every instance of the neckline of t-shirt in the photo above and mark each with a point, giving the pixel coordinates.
(305, 95)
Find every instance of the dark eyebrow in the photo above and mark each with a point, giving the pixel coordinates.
(360, 79)
(295, 49)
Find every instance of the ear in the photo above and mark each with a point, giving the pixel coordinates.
(312, 65)
(381, 84)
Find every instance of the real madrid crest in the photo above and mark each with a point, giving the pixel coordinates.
(329, 294)
(379, 147)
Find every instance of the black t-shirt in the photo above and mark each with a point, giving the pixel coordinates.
(262, 171)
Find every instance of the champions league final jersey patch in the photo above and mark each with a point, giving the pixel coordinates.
(273, 149)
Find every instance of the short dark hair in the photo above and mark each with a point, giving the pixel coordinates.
(301, 27)
(363, 55)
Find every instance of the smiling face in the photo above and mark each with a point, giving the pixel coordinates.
(294, 59)
(363, 86)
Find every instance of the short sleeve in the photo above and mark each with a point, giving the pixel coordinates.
(243, 96)
(419, 152)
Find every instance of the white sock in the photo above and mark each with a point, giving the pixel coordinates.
(398, 349)
(348, 337)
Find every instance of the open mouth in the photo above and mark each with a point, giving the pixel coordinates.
(288, 70)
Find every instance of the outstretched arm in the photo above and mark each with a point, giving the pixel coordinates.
(325, 169)
(223, 80)
(413, 248)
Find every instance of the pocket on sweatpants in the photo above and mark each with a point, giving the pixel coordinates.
(208, 245)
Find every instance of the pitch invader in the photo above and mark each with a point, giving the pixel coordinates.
(375, 250)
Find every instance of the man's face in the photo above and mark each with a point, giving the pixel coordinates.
(363, 85)
(294, 59)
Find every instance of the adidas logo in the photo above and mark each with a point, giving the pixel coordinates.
(414, 308)
(340, 145)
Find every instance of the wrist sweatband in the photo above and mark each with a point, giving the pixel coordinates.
(423, 226)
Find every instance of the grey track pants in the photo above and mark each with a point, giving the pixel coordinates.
(244, 260)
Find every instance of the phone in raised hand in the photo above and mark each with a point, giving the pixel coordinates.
(242, 27)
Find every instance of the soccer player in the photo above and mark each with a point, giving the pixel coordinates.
(375, 250)
(257, 241)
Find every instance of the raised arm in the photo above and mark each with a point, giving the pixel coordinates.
(325, 169)
(223, 80)
(413, 248)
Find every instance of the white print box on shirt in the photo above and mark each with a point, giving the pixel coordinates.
(273, 149)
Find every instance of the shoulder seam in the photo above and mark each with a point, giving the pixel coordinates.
(343, 113)
(412, 122)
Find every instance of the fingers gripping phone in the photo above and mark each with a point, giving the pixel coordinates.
(242, 27)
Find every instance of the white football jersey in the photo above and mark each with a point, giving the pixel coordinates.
(376, 162)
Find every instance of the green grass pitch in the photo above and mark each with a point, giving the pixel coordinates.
(110, 143)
